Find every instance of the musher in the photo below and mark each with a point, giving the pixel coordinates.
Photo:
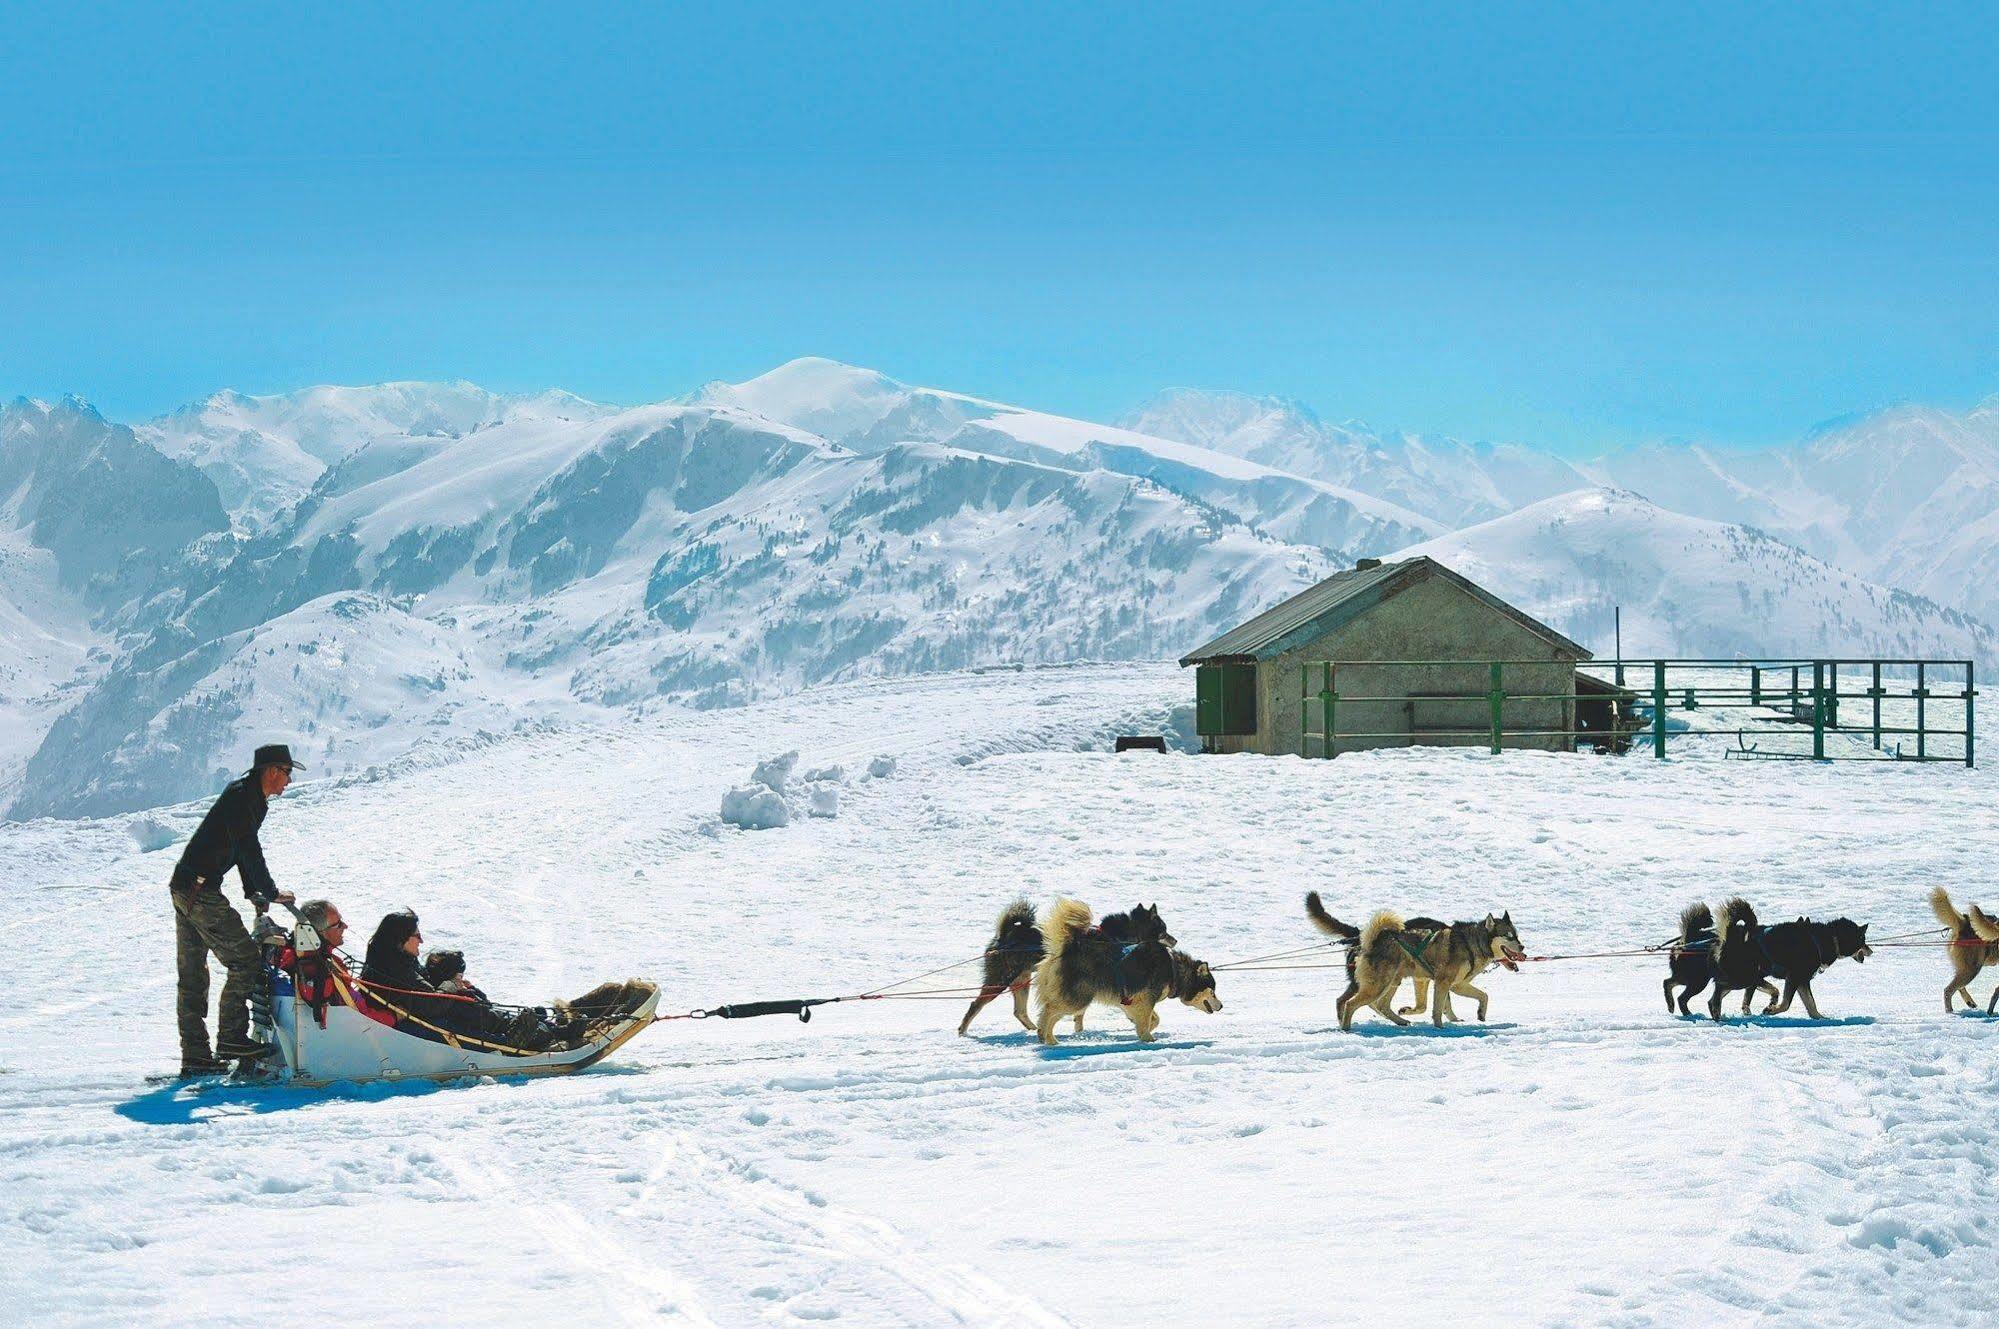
(204, 921)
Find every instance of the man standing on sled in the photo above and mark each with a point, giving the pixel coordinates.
(204, 921)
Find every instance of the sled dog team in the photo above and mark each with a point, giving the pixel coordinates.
(1127, 959)
(1131, 961)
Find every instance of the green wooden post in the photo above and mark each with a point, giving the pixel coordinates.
(1922, 696)
(1818, 710)
(1875, 692)
(1970, 707)
(1659, 708)
(1496, 698)
(1329, 700)
(1755, 685)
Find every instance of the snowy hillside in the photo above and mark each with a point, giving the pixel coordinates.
(1691, 587)
(1446, 480)
(685, 553)
(1582, 1158)
(866, 411)
(1907, 497)
(505, 560)
(264, 453)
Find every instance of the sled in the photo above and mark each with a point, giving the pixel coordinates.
(353, 1047)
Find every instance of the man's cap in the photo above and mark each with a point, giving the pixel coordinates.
(275, 754)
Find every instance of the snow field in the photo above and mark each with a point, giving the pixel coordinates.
(1583, 1159)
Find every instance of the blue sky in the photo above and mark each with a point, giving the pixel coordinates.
(1576, 226)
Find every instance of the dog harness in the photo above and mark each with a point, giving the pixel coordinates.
(1415, 953)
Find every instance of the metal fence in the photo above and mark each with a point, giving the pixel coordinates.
(1829, 709)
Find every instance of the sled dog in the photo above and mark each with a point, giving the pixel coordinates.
(1388, 951)
(1747, 954)
(1692, 959)
(1315, 909)
(1975, 943)
(1081, 966)
(1009, 963)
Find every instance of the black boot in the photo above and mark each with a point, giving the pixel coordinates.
(201, 1067)
(242, 1049)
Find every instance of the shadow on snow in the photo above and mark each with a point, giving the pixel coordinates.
(189, 1104)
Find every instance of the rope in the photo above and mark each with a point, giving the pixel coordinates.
(1297, 958)
(1313, 949)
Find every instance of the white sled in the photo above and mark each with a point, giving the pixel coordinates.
(354, 1047)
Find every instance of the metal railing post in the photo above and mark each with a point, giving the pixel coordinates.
(1755, 685)
(1875, 691)
(1659, 708)
(1970, 708)
(1497, 699)
(1922, 696)
(1818, 710)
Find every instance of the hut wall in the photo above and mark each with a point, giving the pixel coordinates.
(1433, 620)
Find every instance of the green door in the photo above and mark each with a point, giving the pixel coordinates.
(1224, 699)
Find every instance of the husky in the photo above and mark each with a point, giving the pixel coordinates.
(1080, 966)
(1693, 962)
(1388, 951)
(1967, 955)
(1315, 910)
(1747, 955)
(1009, 964)
(1140, 924)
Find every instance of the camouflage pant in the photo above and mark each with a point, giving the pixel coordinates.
(204, 922)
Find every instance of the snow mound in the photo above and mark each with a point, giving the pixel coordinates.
(881, 767)
(773, 773)
(772, 798)
(755, 807)
(151, 833)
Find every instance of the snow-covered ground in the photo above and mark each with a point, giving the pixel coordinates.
(1583, 1159)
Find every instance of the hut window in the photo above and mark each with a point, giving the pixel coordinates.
(1225, 699)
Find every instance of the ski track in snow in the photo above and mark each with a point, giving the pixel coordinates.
(1585, 1159)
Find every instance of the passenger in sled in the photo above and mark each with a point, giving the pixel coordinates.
(391, 976)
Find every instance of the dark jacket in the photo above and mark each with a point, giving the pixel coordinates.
(414, 993)
(227, 838)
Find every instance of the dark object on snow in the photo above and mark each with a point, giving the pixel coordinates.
(1141, 743)
(1693, 961)
(1009, 963)
(227, 838)
(1746, 954)
(273, 754)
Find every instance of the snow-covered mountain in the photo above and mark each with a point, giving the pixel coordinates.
(1446, 480)
(265, 453)
(420, 561)
(1692, 587)
(695, 553)
(1907, 496)
(91, 518)
(866, 412)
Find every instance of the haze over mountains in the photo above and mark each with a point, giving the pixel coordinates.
(362, 569)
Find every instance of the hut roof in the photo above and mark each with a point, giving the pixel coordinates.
(1345, 596)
